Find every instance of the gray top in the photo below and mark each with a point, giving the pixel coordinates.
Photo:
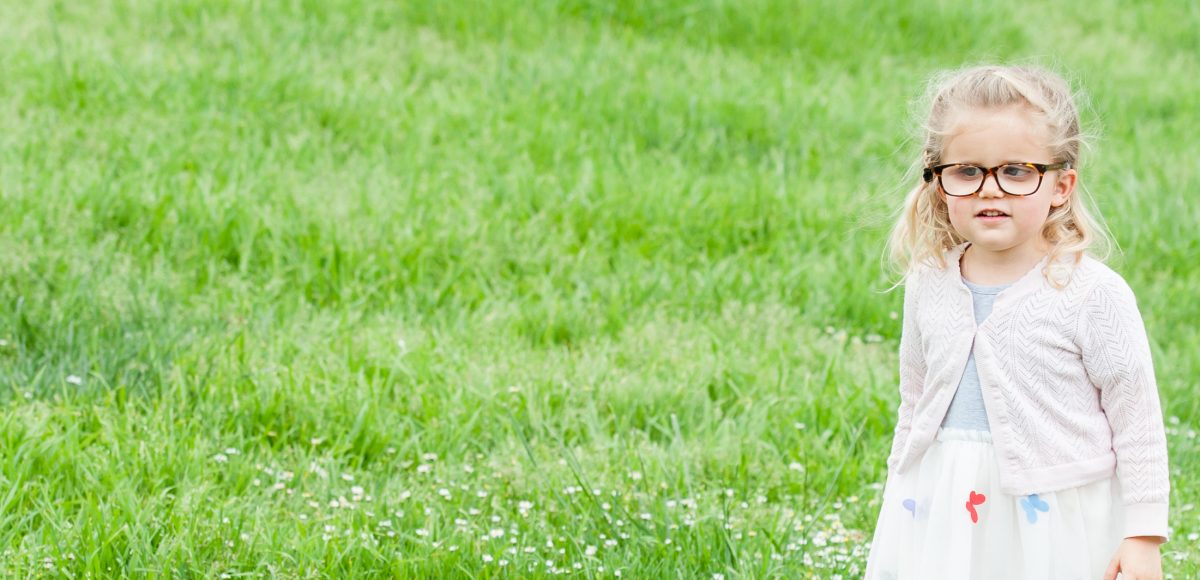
(967, 410)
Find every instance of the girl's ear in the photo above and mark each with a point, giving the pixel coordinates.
(1064, 187)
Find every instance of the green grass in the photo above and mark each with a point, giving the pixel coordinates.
(493, 289)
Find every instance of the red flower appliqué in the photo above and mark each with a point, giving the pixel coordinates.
(974, 500)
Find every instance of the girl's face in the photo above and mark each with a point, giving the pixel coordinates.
(991, 137)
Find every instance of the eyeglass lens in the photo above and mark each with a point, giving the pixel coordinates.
(1014, 179)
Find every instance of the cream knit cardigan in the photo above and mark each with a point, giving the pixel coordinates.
(1067, 381)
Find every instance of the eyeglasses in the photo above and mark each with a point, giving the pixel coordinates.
(964, 179)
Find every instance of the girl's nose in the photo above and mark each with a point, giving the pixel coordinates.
(994, 189)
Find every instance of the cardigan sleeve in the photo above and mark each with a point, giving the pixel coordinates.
(1116, 356)
(912, 373)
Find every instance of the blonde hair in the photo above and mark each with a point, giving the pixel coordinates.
(923, 231)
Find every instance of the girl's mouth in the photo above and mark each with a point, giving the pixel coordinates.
(991, 215)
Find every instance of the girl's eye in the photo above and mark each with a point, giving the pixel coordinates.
(1017, 172)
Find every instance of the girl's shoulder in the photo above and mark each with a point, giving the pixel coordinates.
(1096, 280)
(935, 267)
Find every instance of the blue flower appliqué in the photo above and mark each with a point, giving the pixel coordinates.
(1034, 504)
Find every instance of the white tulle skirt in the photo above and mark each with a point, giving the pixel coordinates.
(947, 518)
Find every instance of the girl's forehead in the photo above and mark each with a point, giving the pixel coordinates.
(997, 135)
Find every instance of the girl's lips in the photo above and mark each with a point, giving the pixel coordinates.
(987, 218)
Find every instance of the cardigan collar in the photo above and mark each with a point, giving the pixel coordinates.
(1032, 279)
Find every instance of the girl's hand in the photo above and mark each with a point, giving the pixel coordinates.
(1136, 559)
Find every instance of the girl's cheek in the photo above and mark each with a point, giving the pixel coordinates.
(957, 213)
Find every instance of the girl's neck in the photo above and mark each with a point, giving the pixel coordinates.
(996, 268)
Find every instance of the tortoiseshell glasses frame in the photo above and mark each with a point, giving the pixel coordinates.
(1011, 180)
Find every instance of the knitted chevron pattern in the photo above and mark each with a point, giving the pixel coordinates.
(1067, 379)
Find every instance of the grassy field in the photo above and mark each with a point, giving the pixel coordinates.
(508, 289)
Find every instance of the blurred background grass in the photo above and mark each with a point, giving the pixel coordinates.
(631, 248)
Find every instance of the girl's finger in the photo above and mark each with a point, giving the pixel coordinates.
(1111, 572)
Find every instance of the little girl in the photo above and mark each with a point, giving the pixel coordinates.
(1030, 442)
